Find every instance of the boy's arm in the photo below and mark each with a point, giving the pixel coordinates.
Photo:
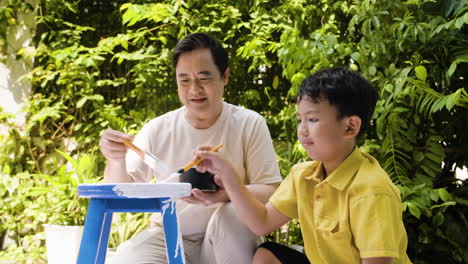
(261, 219)
(383, 260)
(261, 191)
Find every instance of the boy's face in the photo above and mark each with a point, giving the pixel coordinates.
(322, 134)
(200, 85)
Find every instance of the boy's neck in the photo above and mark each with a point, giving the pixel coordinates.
(331, 166)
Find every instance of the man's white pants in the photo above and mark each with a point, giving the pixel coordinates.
(226, 240)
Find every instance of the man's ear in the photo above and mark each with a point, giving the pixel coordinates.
(353, 126)
(226, 74)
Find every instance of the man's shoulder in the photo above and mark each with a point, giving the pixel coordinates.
(240, 112)
(171, 116)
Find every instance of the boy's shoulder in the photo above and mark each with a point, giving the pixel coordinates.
(371, 178)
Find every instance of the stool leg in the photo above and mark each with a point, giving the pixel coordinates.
(95, 233)
(174, 245)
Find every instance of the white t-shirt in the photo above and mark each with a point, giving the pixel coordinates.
(246, 143)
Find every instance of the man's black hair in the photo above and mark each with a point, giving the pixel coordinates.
(196, 41)
(348, 91)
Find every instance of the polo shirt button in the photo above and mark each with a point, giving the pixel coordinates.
(317, 197)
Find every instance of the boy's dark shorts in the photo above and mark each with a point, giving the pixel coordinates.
(285, 254)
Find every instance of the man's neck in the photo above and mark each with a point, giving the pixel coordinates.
(200, 121)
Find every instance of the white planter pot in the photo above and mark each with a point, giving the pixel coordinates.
(63, 243)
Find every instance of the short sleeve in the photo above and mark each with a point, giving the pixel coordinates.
(377, 226)
(285, 197)
(261, 161)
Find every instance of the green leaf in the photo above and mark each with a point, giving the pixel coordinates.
(452, 68)
(421, 73)
(389, 87)
(275, 82)
(459, 22)
(414, 210)
(68, 158)
(438, 219)
(452, 100)
(418, 156)
(355, 56)
(70, 7)
(444, 195)
(131, 15)
(372, 70)
(81, 102)
(434, 194)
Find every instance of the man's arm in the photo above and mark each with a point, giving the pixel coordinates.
(114, 151)
(116, 172)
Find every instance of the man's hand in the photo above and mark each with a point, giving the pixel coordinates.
(206, 198)
(111, 145)
(114, 150)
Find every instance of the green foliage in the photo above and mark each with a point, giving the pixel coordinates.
(31, 200)
(21, 218)
(61, 190)
(107, 64)
(125, 225)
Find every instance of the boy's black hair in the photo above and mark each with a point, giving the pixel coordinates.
(348, 91)
(196, 41)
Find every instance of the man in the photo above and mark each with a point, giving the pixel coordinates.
(212, 232)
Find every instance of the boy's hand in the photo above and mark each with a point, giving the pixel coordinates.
(224, 174)
(215, 163)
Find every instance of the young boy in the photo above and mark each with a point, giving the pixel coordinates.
(348, 208)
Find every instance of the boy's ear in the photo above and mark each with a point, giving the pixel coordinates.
(226, 76)
(353, 126)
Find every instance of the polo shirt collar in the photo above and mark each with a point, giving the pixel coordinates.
(340, 177)
(315, 173)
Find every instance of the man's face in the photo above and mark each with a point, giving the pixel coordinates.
(200, 84)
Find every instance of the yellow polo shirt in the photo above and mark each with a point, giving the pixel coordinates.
(354, 213)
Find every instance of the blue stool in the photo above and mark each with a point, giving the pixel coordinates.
(129, 197)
